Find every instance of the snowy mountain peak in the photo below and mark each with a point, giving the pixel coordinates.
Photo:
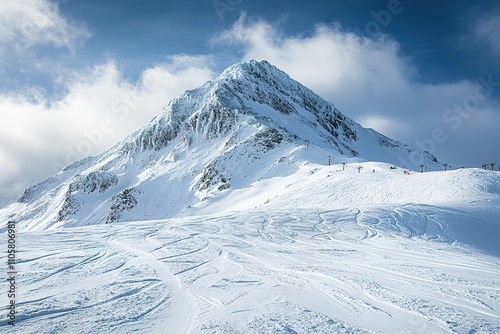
(251, 123)
(262, 71)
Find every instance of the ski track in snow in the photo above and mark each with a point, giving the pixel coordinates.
(389, 269)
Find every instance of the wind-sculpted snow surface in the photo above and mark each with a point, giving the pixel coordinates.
(389, 269)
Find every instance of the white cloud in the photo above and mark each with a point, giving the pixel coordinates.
(38, 138)
(382, 124)
(25, 23)
(487, 30)
(328, 59)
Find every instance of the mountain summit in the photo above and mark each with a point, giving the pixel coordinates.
(251, 123)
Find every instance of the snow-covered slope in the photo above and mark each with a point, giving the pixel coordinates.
(251, 123)
(341, 255)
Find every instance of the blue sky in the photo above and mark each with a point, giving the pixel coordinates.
(423, 72)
